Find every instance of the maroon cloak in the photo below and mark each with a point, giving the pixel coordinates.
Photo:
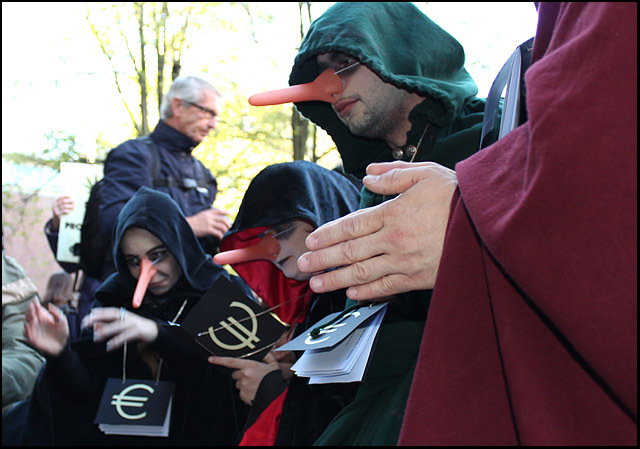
(538, 345)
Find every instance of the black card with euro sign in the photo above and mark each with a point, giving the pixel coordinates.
(227, 323)
(135, 402)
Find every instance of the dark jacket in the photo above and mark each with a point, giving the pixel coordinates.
(278, 194)
(129, 167)
(206, 408)
(404, 48)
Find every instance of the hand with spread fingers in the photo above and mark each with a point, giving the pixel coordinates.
(46, 328)
(391, 248)
(119, 326)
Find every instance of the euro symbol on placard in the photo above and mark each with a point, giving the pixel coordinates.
(246, 340)
(329, 329)
(122, 400)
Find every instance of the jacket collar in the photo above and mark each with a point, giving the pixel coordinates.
(172, 139)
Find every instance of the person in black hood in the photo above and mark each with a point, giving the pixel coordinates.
(150, 231)
(286, 202)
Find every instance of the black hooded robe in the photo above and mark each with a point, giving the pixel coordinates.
(281, 193)
(206, 406)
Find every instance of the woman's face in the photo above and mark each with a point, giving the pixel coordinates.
(138, 243)
(291, 236)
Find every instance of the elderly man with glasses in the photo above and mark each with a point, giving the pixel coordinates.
(163, 160)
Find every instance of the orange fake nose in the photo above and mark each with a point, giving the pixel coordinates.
(326, 87)
(268, 248)
(147, 272)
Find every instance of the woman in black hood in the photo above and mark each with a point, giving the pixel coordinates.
(287, 201)
(206, 408)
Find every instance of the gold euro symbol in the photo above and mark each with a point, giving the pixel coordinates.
(246, 340)
(122, 400)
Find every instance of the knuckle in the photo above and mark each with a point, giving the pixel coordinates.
(348, 250)
(387, 285)
(395, 175)
(360, 272)
(351, 227)
(318, 258)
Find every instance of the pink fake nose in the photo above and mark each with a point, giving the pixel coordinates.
(326, 87)
(147, 272)
(268, 249)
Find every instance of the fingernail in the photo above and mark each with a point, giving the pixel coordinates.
(371, 179)
(315, 283)
(303, 263)
(311, 241)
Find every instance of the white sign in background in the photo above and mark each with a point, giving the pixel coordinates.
(77, 179)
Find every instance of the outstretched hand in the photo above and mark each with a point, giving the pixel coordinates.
(391, 248)
(46, 329)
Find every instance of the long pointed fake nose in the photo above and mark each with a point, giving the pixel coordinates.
(268, 249)
(326, 87)
(147, 272)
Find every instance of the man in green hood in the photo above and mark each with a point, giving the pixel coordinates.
(530, 248)
(406, 96)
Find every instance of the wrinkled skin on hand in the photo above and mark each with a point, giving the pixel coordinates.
(391, 248)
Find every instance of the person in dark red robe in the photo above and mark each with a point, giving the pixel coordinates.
(531, 336)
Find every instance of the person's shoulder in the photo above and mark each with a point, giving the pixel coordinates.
(129, 145)
(130, 151)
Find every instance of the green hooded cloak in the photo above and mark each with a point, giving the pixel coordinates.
(384, 37)
(405, 48)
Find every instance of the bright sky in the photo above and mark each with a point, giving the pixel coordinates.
(54, 77)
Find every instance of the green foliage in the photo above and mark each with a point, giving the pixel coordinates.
(60, 148)
(148, 44)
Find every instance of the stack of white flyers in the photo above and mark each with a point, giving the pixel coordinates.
(340, 352)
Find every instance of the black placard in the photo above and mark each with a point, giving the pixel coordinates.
(135, 407)
(228, 323)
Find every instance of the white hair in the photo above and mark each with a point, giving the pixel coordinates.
(187, 88)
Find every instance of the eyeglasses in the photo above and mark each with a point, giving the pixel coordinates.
(338, 72)
(339, 63)
(208, 113)
(280, 232)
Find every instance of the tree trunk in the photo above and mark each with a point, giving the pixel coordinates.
(161, 49)
(142, 74)
(300, 127)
